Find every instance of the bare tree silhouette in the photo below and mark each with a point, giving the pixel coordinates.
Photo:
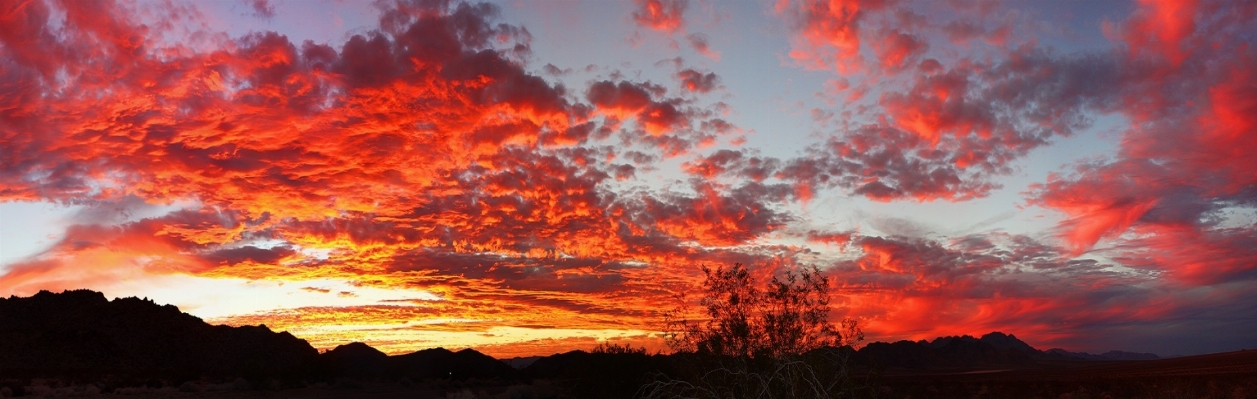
(771, 342)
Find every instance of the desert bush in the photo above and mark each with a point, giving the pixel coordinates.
(614, 349)
(753, 342)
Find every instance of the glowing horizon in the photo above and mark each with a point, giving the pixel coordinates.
(525, 178)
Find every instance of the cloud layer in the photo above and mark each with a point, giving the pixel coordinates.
(424, 155)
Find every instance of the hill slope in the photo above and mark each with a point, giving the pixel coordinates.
(82, 332)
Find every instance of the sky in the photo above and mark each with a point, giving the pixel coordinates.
(531, 177)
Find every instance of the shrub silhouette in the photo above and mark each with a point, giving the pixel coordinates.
(770, 342)
(614, 349)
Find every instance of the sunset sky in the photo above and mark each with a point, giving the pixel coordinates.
(531, 177)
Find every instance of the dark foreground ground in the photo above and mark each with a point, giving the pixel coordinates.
(1224, 376)
(355, 390)
(1230, 375)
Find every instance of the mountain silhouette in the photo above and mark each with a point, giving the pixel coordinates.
(964, 352)
(359, 360)
(521, 362)
(603, 375)
(442, 363)
(81, 332)
(1110, 355)
(1002, 341)
(995, 350)
(355, 360)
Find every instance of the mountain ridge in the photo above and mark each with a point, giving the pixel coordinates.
(81, 331)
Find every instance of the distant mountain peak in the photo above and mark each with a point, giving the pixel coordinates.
(1110, 355)
(437, 350)
(356, 347)
(1124, 355)
(998, 335)
(1003, 341)
(79, 296)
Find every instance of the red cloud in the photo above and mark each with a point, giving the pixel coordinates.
(660, 118)
(1160, 27)
(698, 82)
(879, 163)
(262, 8)
(940, 104)
(419, 155)
(257, 111)
(668, 16)
(1188, 126)
(920, 289)
(714, 165)
(661, 15)
(1102, 202)
(717, 217)
(101, 256)
(951, 131)
(1192, 257)
(423, 134)
(828, 31)
(1229, 125)
(624, 99)
(698, 41)
(424, 155)
(896, 49)
(829, 238)
(627, 99)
